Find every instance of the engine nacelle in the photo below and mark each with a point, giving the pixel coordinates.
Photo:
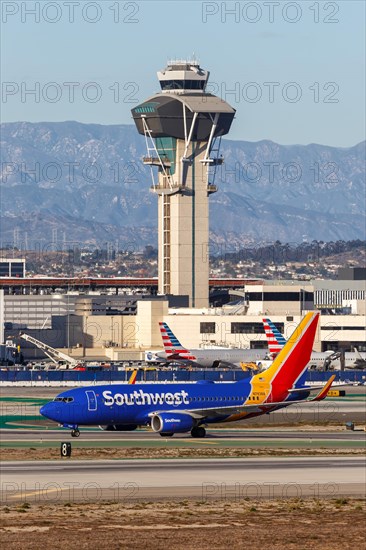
(119, 427)
(172, 422)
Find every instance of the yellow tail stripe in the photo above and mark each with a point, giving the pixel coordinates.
(267, 376)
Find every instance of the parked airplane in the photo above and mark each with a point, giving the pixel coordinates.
(358, 359)
(276, 341)
(175, 352)
(352, 359)
(185, 407)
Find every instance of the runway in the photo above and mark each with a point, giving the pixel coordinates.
(128, 480)
(219, 437)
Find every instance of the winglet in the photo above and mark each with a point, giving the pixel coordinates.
(133, 377)
(324, 391)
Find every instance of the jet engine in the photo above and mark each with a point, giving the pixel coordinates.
(172, 422)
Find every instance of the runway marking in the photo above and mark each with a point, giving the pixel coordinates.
(202, 442)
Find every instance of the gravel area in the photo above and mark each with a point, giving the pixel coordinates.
(273, 524)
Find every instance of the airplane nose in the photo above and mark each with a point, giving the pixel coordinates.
(50, 411)
(43, 410)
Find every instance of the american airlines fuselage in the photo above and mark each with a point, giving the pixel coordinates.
(214, 357)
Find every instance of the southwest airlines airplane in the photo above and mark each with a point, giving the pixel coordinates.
(186, 407)
(175, 352)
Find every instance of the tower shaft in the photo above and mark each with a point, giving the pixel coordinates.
(183, 232)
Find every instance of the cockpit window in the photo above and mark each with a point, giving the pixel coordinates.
(64, 399)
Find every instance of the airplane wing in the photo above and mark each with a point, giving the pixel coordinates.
(205, 412)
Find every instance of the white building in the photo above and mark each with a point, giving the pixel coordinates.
(97, 323)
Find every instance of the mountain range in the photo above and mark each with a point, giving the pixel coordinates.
(67, 182)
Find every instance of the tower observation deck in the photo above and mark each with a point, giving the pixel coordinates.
(183, 126)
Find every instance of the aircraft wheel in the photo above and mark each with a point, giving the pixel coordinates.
(166, 434)
(198, 431)
(75, 433)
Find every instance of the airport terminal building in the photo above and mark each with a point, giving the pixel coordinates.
(123, 327)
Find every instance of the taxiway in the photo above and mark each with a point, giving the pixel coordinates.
(68, 480)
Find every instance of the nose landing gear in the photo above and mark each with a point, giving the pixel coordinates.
(75, 432)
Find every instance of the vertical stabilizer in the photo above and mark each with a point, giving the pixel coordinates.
(291, 362)
(170, 341)
(275, 339)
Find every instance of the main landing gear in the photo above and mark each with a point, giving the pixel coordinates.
(75, 433)
(198, 431)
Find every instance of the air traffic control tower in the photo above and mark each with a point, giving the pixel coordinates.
(183, 126)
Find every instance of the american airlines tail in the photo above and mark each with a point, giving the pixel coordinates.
(275, 339)
(172, 346)
(289, 367)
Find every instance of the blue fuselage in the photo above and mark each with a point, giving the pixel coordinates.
(132, 404)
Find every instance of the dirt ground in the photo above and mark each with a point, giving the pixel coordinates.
(85, 453)
(274, 524)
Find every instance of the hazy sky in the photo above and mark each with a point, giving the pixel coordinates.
(295, 71)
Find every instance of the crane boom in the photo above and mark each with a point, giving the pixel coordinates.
(55, 355)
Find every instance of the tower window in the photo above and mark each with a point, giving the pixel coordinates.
(182, 84)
